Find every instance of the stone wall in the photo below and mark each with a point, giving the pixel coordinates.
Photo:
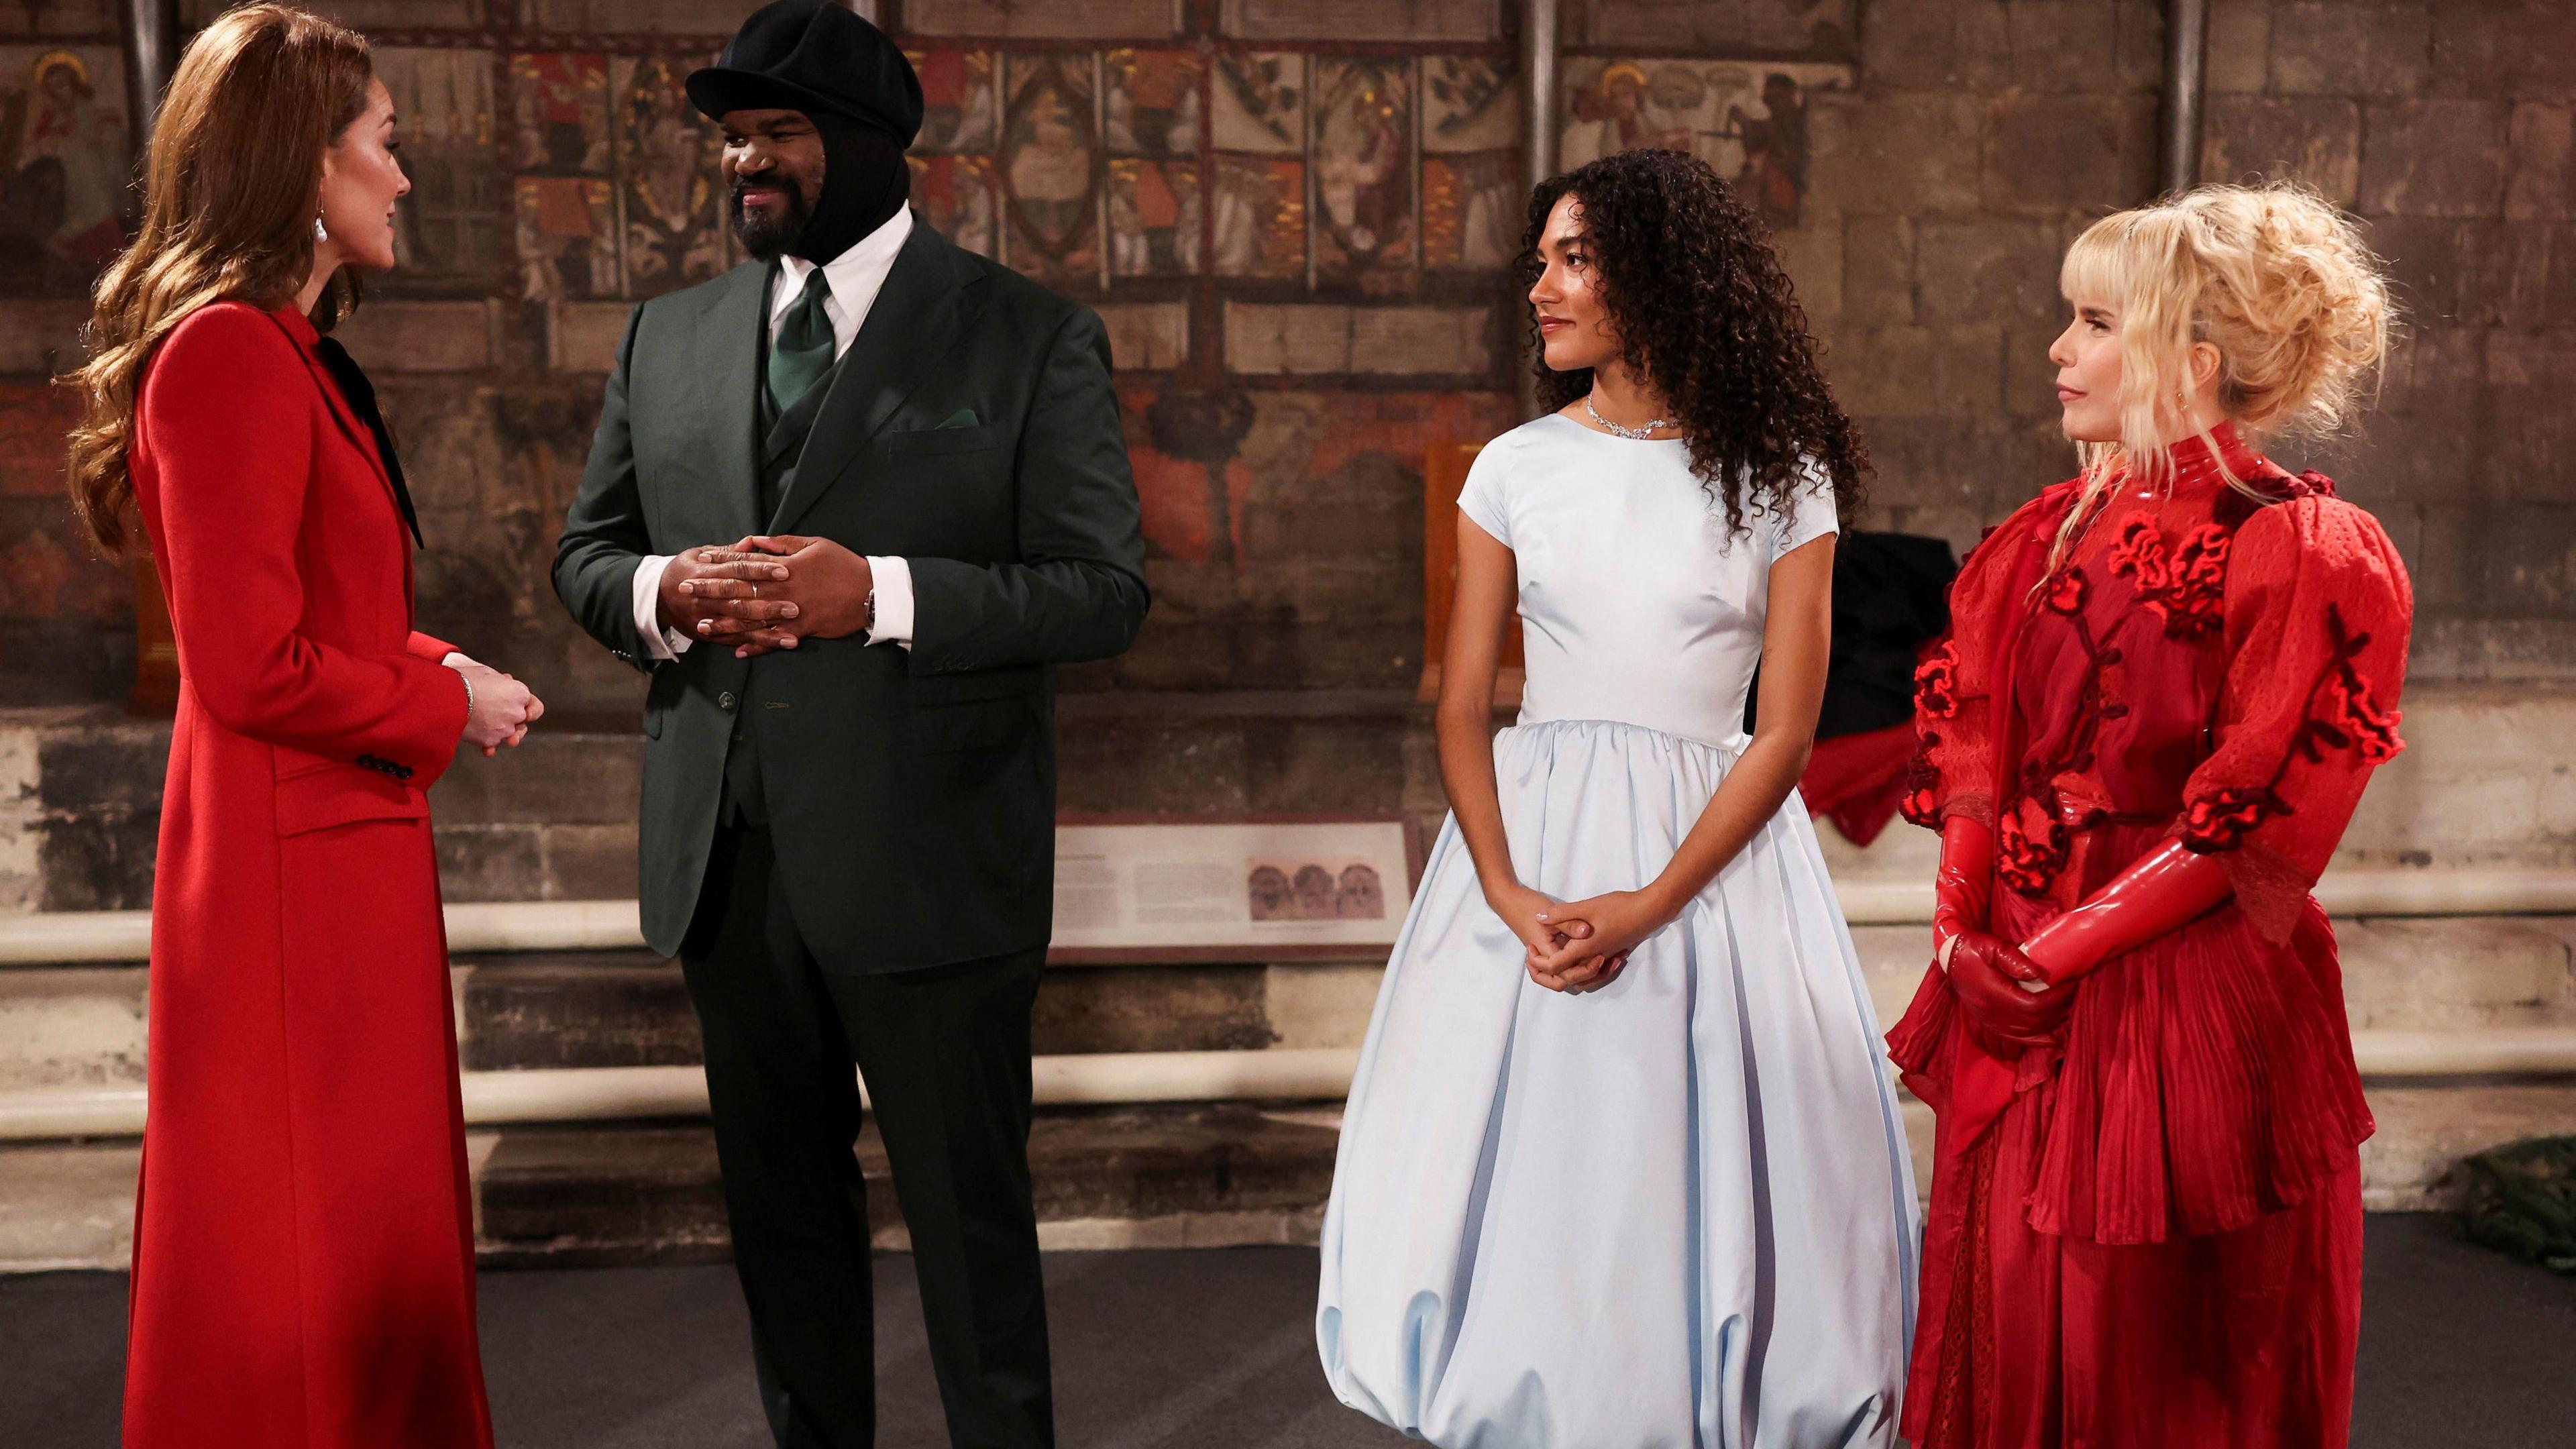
(1294, 215)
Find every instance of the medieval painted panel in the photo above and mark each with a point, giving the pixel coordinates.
(961, 197)
(1258, 103)
(65, 156)
(961, 101)
(1151, 105)
(1747, 119)
(452, 234)
(567, 238)
(1260, 220)
(1153, 218)
(559, 120)
(669, 193)
(1050, 167)
(1363, 164)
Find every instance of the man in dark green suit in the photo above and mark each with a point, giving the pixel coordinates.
(850, 504)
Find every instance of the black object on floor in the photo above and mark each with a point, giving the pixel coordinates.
(1181, 1350)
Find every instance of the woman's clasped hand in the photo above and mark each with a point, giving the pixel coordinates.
(502, 708)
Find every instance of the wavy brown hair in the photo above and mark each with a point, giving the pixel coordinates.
(231, 186)
(1704, 316)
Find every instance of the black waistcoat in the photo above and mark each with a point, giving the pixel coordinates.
(782, 446)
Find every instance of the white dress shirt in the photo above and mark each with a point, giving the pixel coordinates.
(856, 276)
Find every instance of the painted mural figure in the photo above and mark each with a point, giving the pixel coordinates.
(2167, 681)
(670, 219)
(1774, 174)
(64, 161)
(1048, 163)
(1363, 163)
(1621, 1168)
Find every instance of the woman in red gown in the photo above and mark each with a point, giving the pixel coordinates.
(2167, 682)
(304, 1256)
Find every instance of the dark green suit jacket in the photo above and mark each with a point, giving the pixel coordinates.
(911, 793)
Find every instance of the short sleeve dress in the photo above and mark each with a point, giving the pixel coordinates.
(1678, 1209)
(2149, 1232)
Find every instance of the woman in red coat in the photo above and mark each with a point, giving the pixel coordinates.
(303, 1265)
(2168, 681)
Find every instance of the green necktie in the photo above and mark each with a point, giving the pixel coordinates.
(801, 352)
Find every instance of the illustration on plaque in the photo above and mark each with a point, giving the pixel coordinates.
(559, 112)
(1747, 120)
(567, 238)
(960, 101)
(453, 230)
(960, 198)
(1260, 104)
(64, 160)
(1260, 217)
(1364, 162)
(1153, 218)
(1152, 104)
(667, 179)
(1315, 891)
(1049, 167)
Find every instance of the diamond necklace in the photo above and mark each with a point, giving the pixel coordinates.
(1646, 433)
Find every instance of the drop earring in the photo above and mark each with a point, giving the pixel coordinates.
(320, 232)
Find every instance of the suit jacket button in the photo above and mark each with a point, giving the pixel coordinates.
(725, 700)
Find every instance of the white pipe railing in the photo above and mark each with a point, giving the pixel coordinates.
(69, 938)
(625, 1094)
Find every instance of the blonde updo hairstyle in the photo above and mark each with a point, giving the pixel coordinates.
(2273, 276)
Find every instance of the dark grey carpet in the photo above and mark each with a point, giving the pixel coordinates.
(1165, 1350)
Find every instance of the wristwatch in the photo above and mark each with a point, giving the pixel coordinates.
(872, 609)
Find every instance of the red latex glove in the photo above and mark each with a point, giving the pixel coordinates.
(1986, 973)
(2168, 888)
(1964, 884)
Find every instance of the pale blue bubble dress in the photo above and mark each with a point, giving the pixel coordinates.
(1675, 1213)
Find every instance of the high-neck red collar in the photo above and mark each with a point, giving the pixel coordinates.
(2196, 465)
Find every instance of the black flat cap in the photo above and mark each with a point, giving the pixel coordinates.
(815, 57)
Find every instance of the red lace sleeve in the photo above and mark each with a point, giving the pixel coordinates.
(1953, 766)
(2318, 616)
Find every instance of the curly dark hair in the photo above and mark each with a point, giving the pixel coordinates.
(1705, 316)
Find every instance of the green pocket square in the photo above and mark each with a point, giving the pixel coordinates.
(962, 418)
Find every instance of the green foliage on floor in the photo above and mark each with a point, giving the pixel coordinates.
(2522, 1201)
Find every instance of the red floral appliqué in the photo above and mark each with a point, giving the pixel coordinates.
(1936, 683)
(1921, 803)
(2351, 719)
(2346, 718)
(2138, 553)
(2222, 818)
(2068, 593)
(2186, 589)
(2030, 847)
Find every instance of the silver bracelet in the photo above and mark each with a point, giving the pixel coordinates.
(469, 695)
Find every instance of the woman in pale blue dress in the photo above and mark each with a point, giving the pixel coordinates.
(1621, 1167)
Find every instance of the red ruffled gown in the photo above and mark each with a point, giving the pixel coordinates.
(2148, 1235)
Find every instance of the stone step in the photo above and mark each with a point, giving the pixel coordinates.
(2486, 780)
(1163, 1176)
(84, 1026)
(1166, 1176)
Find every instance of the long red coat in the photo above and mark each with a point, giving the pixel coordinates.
(303, 1260)
(2149, 1233)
